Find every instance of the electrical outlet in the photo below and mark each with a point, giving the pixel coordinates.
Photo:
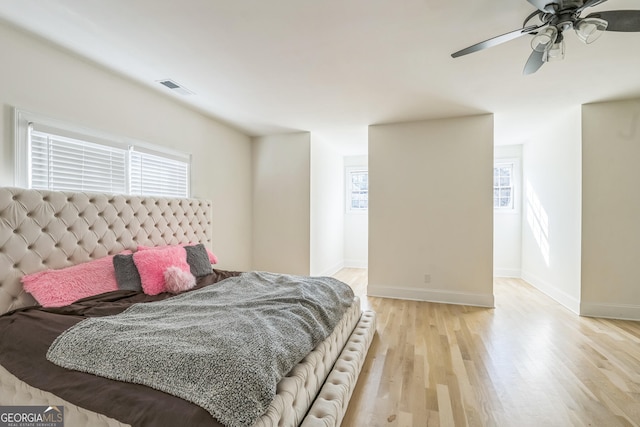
(427, 278)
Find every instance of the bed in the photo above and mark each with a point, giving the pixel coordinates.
(42, 230)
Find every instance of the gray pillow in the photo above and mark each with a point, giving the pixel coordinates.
(127, 275)
(198, 260)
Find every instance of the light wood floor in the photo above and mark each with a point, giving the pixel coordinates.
(528, 362)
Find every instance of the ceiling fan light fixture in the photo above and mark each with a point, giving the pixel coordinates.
(555, 52)
(589, 30)
(544, 39)
(553, 19)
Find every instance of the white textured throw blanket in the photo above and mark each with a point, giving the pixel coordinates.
(223, 347)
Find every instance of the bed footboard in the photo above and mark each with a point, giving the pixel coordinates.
(331, 403)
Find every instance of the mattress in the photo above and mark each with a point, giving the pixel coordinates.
(296, 393)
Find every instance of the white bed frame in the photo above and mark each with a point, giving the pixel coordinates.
(49, 230)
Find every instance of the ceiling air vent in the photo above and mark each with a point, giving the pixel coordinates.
(176, 87)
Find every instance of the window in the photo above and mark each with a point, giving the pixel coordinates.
(357, 190)
(503, 186)
(54, 156)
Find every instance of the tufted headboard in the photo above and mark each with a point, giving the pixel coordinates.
(48, 230)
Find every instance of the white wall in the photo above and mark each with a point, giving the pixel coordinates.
(327, 208)
(507, 225)
(551, 235)
(37, 77)
(281, 203)
(611, 209)
(356, 226)
(431, 210)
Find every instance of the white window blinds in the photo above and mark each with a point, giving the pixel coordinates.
(67, 161)
(66, 164)
(153, 175)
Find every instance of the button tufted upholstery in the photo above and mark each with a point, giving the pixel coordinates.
(46, 229)
(331, 403)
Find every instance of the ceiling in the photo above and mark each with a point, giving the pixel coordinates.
(333, 67)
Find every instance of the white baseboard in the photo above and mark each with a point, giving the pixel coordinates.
(432, 295)
(344, 264)
(507, 272)
(553, 292)
(356, 263)
(610, 311)
(333, 270)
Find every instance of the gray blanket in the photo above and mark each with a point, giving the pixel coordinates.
(223, 347)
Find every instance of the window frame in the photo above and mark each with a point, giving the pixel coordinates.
(514, 163)
(22, 128)
(349, 190)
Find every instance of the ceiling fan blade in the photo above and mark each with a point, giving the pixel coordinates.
(620, 20)
(496, 41)
(544, 5)
(589, 3)
(533, 63)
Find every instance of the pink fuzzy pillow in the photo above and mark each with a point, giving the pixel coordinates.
(212, 257)
(151, 265)
(55, 288)
(177, 281)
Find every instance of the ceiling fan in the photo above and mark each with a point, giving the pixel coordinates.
(556, 17)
